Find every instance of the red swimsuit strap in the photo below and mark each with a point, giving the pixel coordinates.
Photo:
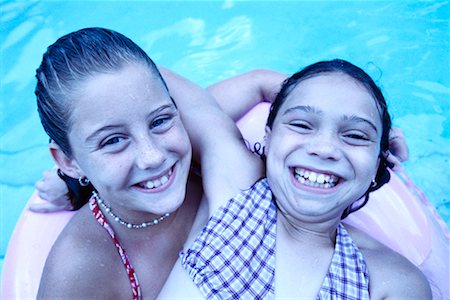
(135, 286)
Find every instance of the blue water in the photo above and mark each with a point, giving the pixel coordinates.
(402, 44)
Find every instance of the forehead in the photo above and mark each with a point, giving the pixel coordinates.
(118, 96)
(132, 83)
(129, 81)
(334, 93)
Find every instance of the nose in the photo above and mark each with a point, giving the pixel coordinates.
(149, 154)
(324, 146)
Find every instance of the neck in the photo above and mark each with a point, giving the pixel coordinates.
(316, 233)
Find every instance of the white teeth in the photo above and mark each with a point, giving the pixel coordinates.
(321, 178)
(151, 184)
(315, 179)
(157, 183)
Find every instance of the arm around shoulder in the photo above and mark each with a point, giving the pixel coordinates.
(227, 166)
(238, 94)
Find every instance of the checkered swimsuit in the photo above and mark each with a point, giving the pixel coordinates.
(234, 256)
(347, 277)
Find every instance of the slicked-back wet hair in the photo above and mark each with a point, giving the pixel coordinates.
(68, 63)
(72, 60)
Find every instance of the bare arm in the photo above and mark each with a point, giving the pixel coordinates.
(227, 165)
(238, 94)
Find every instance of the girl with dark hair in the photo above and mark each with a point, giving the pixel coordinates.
(325, 148)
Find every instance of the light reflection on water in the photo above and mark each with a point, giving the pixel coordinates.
(404, 44)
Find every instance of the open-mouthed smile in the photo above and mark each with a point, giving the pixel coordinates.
(315, 179)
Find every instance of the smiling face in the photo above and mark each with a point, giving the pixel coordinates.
(128, 139)
(322, 151)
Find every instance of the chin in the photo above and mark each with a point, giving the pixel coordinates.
(175, 202)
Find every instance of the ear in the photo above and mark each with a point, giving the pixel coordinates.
(267, 138)
(67, 165)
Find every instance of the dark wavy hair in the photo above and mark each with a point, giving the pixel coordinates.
(347, 68)
(70, 61)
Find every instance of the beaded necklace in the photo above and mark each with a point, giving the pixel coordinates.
(119, 220)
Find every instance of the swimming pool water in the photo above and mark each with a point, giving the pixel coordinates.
(402, 44)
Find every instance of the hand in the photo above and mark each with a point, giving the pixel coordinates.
(53, 191)
(398, 152)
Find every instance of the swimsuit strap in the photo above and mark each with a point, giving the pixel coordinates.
(135, 286)
(348, 276)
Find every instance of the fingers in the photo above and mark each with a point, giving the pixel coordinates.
(53, 191)
(392, 159)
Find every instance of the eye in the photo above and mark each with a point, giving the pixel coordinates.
(301, 126)
(161, 123)
(111, 141)
(356, 138)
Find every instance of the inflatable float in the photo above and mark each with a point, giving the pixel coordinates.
(397, 215)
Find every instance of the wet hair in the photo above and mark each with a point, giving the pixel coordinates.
(71, 61)
(362, 78)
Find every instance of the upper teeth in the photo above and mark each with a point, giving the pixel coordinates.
(151, 184)
(315, 179)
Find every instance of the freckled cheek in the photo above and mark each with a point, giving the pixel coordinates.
(111, 173)
(177, 141)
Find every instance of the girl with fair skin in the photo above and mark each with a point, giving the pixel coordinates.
(114, 125)
(126, 137)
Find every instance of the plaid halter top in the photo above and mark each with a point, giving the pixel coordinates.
(234, 255)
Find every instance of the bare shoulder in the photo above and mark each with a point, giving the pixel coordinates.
(391, 274)
(73, 266)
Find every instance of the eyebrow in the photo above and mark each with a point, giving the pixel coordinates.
(310, 109)
(113, 127)
(357, 119)
(304, 108)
